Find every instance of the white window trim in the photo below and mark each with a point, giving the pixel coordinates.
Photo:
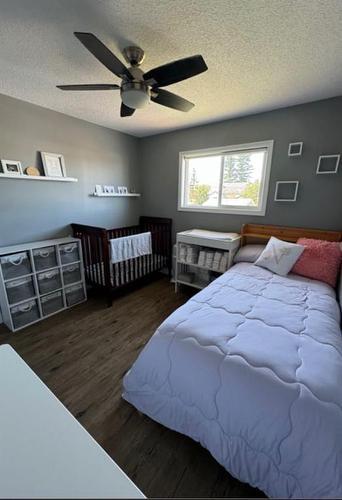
(226, 149)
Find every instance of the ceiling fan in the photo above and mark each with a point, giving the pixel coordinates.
(138, 88)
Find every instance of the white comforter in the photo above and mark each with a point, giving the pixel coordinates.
(251, 367)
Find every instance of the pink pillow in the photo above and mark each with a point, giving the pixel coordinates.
(321, 260)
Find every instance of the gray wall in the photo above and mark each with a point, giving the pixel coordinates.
(95, 155)
(319, 203)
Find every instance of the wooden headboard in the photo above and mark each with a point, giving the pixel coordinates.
(257, 232)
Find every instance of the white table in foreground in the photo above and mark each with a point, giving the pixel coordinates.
(44, 451)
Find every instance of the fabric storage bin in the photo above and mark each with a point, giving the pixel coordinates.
(19, 290)
(15, 265)
(49, 281)
(74, 294)
(25, 314)
(69, 253)
(72, 274)
(44, 258)
(52, 303)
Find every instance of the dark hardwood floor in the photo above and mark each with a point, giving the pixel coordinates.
(82, 355)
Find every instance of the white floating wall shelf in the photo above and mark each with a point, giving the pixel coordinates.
(115, 195)
(37, 178)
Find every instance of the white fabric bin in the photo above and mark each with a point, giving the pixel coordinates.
(74, 294)
(19, 290)
(72, 274)
(52, 303)
(15, 265)
(49, 281)
(24, 314)
(45, 258)
(69, 253)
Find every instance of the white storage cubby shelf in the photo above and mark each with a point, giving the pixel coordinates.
(201, 256)
(40, 279)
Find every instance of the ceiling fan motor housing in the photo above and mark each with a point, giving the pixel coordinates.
(134, 55)
(135, 94)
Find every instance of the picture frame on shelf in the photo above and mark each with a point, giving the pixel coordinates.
(98, 189)
(286, 191)
(328, 164)
(108, 189)
(54, 164)
(295, 149)
(11, 167)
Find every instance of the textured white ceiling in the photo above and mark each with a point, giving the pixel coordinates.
(261, 54)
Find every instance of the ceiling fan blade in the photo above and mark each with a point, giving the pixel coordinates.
(90, 86)
(103, 54)
(166, 98)
(176, 71)
(125, 110)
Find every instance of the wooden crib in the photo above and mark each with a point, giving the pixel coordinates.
(101, 274)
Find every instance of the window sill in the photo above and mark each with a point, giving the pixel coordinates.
(228, 211)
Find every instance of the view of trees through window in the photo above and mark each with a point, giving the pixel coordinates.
(230, 179)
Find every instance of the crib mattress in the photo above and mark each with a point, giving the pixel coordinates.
(251, 367)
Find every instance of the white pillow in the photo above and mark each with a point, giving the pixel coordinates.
(279, 256)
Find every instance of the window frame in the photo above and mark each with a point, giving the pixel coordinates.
(265, 180)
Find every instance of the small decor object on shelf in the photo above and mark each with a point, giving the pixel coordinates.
(328, 164)
(54, 165)
(295, 149)
(11, 167)
(122, 190)
(98, 189)
(286, 191)
(109, 189)
(32, 171)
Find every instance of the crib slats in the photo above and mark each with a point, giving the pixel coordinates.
(102, 274)
(91, 267)
(93, 245)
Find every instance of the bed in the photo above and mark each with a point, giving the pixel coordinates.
(109, 278)
(251, 367)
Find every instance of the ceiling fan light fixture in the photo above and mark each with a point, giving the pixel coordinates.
(135, 95)
(137, 87)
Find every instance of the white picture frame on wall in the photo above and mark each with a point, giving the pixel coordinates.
(332, 160)
(54, 164)
(108, 189)
(295, 149)
(11, 167)
(286, 184)
(98, 189)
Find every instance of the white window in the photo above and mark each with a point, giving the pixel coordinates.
(232, 179)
